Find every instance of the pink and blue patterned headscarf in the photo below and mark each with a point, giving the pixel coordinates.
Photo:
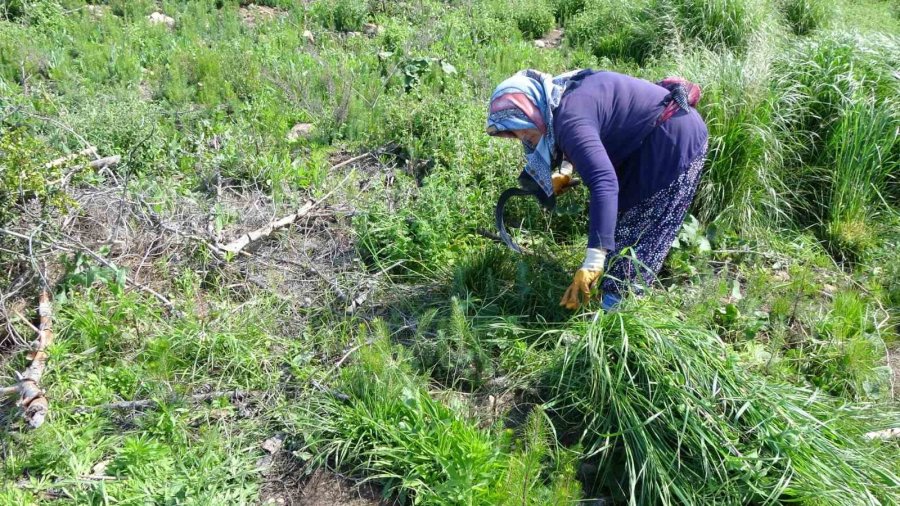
(528, 100)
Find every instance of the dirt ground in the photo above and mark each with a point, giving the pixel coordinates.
(287, 485)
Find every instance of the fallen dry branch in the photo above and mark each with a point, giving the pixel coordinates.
(88, 151)
(148, 403)
(241, 242)
(31, 398)
(106, 161)
(72, 246)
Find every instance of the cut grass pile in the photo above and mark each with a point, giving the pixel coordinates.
(667, 404)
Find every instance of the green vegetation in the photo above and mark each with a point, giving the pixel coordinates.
(381, 337)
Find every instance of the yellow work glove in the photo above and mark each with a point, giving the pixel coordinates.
(560, 183)
(581, 285)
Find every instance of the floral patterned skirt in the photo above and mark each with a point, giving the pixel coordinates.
(646, 231)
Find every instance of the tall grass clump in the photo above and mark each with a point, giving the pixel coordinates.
(673, 418)
(642, 29)
(564, 10)
(388, 427)
(844, 120)
(341, 15)
(615, 29)
(863, 149)
(805, 16)
(743, 185)
(535, 19)
(717, 24)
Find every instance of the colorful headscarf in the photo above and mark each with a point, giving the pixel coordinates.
(527, 100)
(683, 94)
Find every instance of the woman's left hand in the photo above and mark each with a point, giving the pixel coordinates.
(581, 286)
(561, 183)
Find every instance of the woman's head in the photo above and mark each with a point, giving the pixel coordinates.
(522, 107)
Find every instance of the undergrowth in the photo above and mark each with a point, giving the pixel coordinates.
(749, 375)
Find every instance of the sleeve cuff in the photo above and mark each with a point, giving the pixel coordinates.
(607, 242)
(594, 259)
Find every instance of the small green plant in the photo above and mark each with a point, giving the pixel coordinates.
(846, 358)
(535, 19)
(382, 422)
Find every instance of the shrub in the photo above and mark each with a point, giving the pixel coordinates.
(341, 15)
(534, 20)
(804, 16)
(22, 172)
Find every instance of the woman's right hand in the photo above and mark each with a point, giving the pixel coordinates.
(581, 286)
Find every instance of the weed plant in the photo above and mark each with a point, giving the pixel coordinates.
(384, 424)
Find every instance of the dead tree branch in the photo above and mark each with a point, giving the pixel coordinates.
(72, 246)
(238, 244)
(32, 398)
(241, 242)
(88, 151)
(148, 403)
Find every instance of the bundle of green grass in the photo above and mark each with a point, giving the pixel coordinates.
(672, 417)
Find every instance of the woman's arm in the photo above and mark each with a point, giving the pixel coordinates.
(579, 138)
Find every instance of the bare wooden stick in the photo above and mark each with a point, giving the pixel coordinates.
(242, 241)
(90, 150)
(31, 397)
(107, 161)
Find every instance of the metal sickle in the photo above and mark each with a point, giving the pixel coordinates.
(501, 205)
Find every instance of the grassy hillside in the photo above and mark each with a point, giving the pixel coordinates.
(382, 348)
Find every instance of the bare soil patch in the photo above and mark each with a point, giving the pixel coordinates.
(286, 484)
(253, 14)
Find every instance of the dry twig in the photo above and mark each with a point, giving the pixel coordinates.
(147, 403)
(88, 151)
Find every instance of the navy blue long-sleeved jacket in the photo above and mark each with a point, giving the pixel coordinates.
(607, 128)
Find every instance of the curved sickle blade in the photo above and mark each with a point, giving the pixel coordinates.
(498, 216)
(501, 204)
